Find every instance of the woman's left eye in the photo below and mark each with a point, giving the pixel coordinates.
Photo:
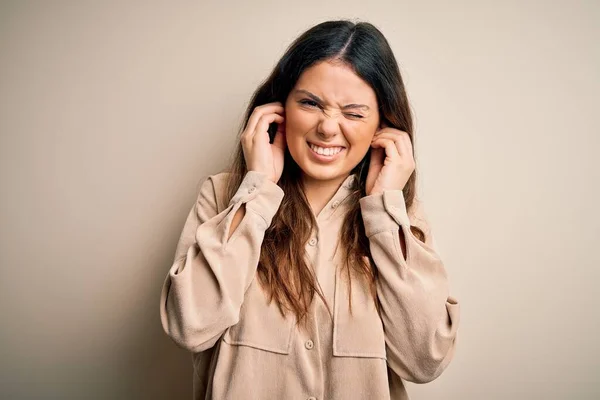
(355, 115)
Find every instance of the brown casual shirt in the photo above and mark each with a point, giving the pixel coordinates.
(243, 348)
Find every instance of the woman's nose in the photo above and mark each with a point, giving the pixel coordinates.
(328, 124)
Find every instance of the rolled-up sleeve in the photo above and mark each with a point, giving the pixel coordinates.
(419, 316)
(204, 288)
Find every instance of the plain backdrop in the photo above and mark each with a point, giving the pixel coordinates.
(111, 112)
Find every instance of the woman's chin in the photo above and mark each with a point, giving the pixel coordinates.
(322, 173)
(318, 170)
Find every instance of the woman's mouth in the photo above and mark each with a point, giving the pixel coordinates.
(324, 154)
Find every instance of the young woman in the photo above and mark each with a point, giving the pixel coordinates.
(308, 269)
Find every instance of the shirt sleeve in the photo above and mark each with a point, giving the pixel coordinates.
(419, 316)
(204, 288)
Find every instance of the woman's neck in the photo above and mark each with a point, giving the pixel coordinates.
(319, 192)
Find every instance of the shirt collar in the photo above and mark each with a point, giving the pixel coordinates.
(338, 199)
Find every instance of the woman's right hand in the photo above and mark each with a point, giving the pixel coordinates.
(260, 155)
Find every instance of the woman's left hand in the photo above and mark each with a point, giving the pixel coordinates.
(392, 162)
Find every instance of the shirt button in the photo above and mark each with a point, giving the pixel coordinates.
(312, 398)
(252, 189)
(312, 241)
(335, 204)
(309, 344)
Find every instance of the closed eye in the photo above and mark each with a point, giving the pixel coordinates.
(355, 116)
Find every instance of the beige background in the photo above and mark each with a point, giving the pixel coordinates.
(111, 113)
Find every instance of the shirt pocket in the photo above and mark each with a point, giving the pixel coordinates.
(261, 325)
(361, 333)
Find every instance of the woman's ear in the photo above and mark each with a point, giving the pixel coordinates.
(383, 122)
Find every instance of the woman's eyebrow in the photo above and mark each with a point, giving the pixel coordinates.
(318, 100)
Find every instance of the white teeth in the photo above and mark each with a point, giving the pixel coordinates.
(325, 151)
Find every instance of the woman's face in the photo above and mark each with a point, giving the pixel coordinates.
(331, 116)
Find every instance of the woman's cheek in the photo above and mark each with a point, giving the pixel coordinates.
(361, 145)
(293, 123)
(294, 132)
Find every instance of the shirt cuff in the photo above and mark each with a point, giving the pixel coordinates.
(383, 211)
(260, 194)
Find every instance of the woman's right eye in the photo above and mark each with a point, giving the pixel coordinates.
(309, 103)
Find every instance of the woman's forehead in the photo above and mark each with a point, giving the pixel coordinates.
(335, 82)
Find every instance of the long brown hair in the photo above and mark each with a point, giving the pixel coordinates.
(282, 269)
